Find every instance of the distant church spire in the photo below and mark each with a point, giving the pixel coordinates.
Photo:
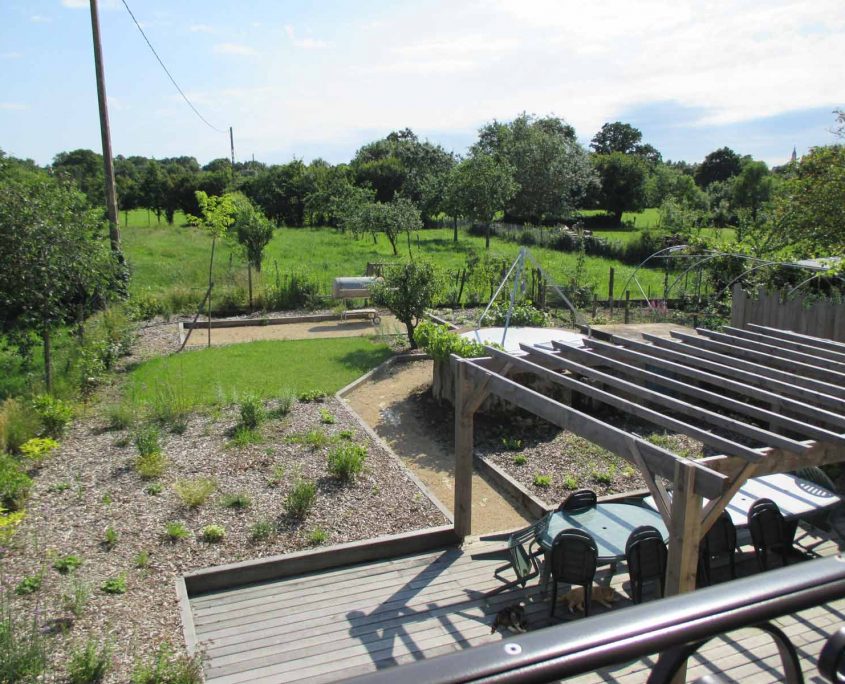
(794, 155)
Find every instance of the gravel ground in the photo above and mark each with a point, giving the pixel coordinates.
(90, 484)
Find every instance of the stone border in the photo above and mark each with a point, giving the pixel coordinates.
(260, 322)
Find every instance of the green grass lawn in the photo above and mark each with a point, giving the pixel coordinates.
(220, 375)
(164, 258)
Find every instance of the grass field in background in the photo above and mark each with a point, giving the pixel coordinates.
(220, 375)
(166, 257)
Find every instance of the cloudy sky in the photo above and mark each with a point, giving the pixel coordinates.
(318, 79)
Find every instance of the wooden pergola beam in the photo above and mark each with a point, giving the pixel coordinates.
(818, 454)
(713, 372)
(659, 461)
(796, 368)
(789, 356)
(693, 391)
(822, 342)
(641, 393)
(787, 344)
(726, 445)
(755, 373)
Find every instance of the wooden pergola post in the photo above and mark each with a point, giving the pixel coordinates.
(684, 532)
(463, 449)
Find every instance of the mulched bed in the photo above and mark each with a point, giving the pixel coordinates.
(89, 484)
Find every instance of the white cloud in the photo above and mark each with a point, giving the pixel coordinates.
(85, 4)
(304, 43)
(201, 28)
(237, 49)
(13, 106)
(40, 19)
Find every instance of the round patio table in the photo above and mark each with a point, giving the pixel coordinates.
(610, 524)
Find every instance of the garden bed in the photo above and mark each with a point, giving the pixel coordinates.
(90, 486)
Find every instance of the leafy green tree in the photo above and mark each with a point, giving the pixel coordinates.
(479, 187)
(390, 218)
(408, 291)
(719, 165)
(623, 179)
(667, 182)
(85, 169)
(253, 232)
(551, 170)
(616, 137)
(752, 187)
(55, 265)
(281, 191)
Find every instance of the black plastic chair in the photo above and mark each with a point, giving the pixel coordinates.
(720, 540)
(522, 561)
(573, 559)
(821, 517)
(769, 532)
(646, 554)
(583, 498)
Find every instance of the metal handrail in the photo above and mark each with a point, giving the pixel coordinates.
(620, 636)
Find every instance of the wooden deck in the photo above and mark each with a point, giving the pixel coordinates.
(336, 624)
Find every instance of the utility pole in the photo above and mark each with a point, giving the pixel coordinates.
(232, 145)
(111, 194)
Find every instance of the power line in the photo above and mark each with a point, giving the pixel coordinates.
(172, 80)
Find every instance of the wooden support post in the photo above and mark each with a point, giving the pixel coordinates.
(463, 449)
(610, 292)
(684, 532)
(595, 304)
(627, 306)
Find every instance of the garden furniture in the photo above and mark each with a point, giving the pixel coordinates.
(573, 558)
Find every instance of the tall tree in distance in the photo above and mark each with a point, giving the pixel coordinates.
(623, 183)
(719, 165)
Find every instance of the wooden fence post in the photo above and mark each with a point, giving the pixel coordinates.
(627, 306)
(610, 291)
(463, 449)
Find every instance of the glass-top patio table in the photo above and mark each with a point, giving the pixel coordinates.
(610, 524)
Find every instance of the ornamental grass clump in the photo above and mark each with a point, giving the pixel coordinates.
(194, 493)
(252, 412)
(300, 499)
(347, 461)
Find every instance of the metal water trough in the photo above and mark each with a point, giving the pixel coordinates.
(353, 287)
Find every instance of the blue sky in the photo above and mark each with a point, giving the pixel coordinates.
(318, 79)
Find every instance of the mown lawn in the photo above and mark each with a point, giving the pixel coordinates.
(220, 375)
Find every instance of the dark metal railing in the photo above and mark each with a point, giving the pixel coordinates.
(617, 637)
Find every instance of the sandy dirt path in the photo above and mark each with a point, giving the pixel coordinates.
(384, 404)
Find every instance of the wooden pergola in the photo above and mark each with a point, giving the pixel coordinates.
(765, 400)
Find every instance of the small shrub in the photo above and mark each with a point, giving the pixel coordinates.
(244, 436)
(346, 434)
(59, 487)
(66, 564)
(252, 412)
(277, 476)
(9, 523)
(284, 403)
(542, 480)
(605, 476)
(194, 493)
(148, 440)
(35, 450)
(174, 531)
(569, 482)
(300, 499)
(238, 500)
(23, 656)
(18, 423)
(153, 489)
(54, 413)
(261, 530)
(29, 584)
(151, 466)
(115, 585)
(213, 533)
(511, 443)
(110, 538)
(142, 559)
(165, 667)
(14, 484)
(347, 461)
(75, 597)
(315, 439)
(90, 663)
(326, 417)
(520, 459)
(317, 536)
(311, 396)
(106, 500)
(120, 416)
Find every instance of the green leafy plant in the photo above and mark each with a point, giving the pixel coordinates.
(346, 434)
(261, 530)
(90, 663)
(311, 396)
(284, 403)
(569, 482)
(511, 443)
(239, 500)
(29, 584)
(142, 559)
(213, 533)
(148, 440)
(18, 423)
(520, 459)
(174, 531)
(110, 538)
(277, 476)
(120, 416)
(59, 487)
(252, 412)
(441, 343)
(347, 461)
(153, 489)
(66, 564)
(605, 476)
(166, 667)
(326, 417)
(151, 466)
(542, 480)
(315, 439)
(14, 484)
(194, 493)
(317, 536)
(75, 596)
(35, 450)
(115, 585)
(23, 655)
(9, 523)
(106, 499)
(300, 499)
(243, 436)
(170, 407)
(54, 413)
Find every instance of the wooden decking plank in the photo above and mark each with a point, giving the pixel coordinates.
(323, 577)
(415, 578)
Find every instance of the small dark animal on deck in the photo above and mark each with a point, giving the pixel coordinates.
(511, 617)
